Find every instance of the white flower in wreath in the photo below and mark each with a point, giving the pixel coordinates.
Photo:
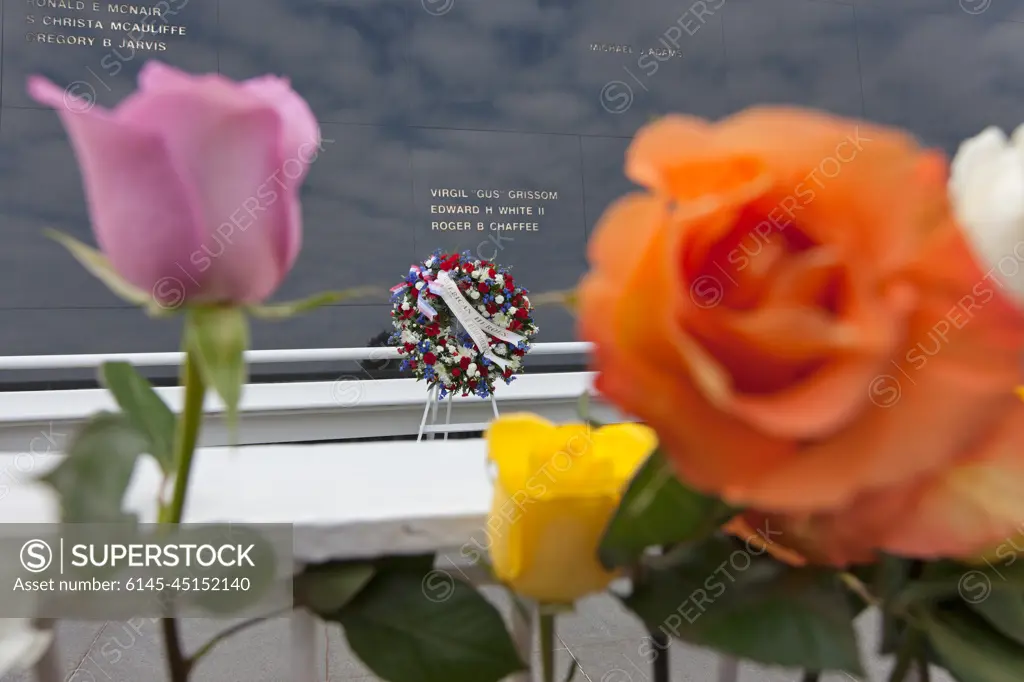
(500, 279)
(429, 262)
(501, 320)
(499, 299)
(500, 349)
(420, 285)
(406, 306)
(477, 274)
(474, 294)
(21, 645)
(409, 337)
(471, 370)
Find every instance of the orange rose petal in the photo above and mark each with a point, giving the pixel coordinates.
(620, 238)
(680, 157)
(845, 181)
(789, 333)
(970, 507)
(857, 351)
(659, 145)
(812, 410)
(885, 447)
(689, 428)
(803, 278)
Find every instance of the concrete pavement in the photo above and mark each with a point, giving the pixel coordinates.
(600, 635)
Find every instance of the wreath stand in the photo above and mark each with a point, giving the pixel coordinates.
(433, 401)
(433, 427)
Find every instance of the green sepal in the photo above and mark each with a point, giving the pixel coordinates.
(99, 267)
(217, 337)
(284, 311)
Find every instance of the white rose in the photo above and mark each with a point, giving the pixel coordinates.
(419, 285)
(500, 279)
(471, 370)
(511, 312)
(429, 262)
(500, 350)
(474, 294)
(406, 306)
(986, 188)
(499, 299)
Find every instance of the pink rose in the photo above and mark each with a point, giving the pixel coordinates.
(193, 181)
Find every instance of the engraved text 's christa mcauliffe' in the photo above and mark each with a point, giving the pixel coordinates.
(115, 25)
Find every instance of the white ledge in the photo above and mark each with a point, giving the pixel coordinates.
(346, 393)
(350, 407)
(346, 500)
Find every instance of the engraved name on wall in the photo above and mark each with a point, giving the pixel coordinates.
(494, 210)
(126, 29)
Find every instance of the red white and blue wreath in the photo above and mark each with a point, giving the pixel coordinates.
(462, 324)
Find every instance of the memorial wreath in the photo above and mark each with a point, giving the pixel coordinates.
(462, 323)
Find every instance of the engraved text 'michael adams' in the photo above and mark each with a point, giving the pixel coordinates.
(661, 53)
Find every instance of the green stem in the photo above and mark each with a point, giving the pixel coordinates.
(185, 439)
(177, 663)
(907, 655)
(660, 670)
(547, 645)
(924, 672)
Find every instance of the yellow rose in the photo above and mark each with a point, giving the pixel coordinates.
(556, 489)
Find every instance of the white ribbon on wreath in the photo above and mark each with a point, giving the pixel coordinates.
(475, 324)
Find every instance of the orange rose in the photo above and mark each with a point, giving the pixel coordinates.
(794, 310)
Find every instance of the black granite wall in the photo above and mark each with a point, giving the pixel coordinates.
(487, 98)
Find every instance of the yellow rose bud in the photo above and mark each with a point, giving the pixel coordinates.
(556, 489)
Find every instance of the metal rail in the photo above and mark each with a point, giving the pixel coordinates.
(36, 362)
